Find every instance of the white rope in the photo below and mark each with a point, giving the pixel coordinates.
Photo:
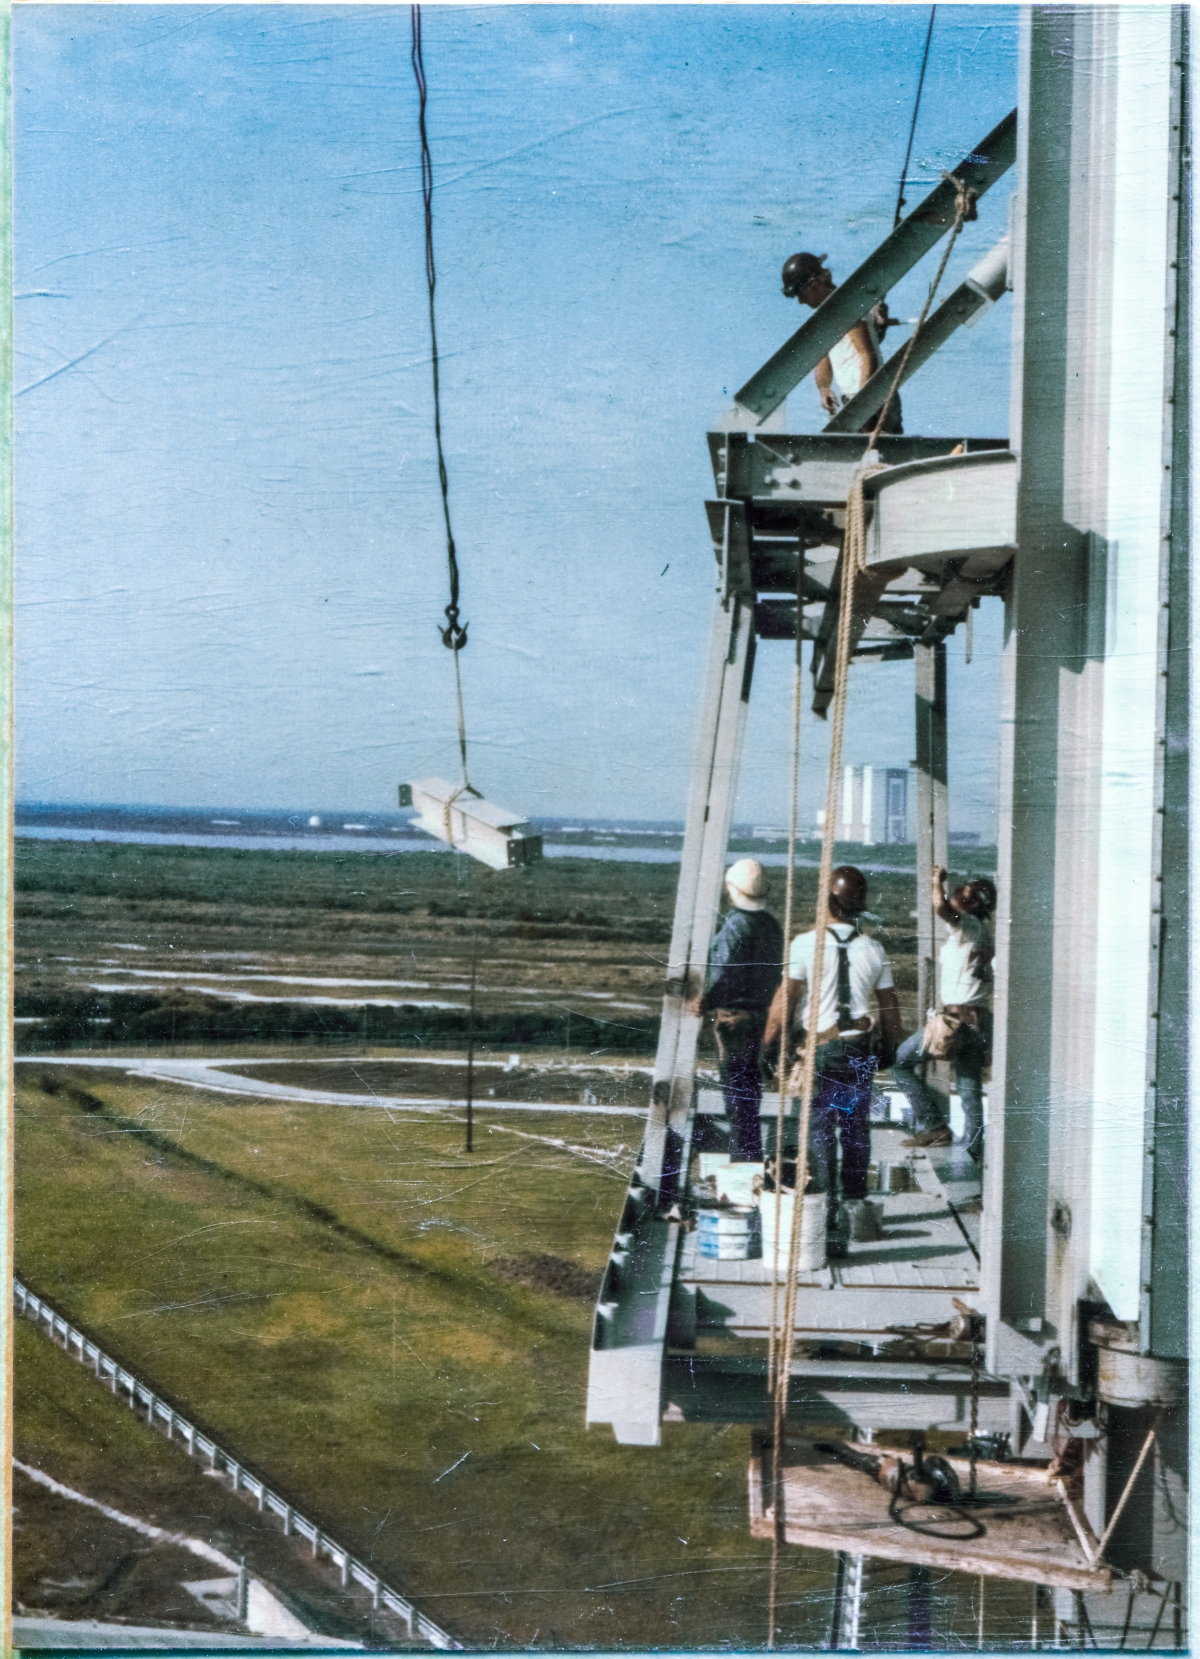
(785, 1031)
(854, 561)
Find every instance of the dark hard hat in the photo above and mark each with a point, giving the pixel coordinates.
(848, 890)
(799, 271)
(981, 894)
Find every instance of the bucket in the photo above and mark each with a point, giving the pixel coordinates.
(727, 1235)
(814, 1211)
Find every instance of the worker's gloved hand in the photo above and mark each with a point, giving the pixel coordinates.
(830, 402)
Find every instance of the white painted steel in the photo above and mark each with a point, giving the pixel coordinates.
(1141, 251)
(964, 506)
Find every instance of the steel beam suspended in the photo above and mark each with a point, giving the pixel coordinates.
(978, 292)
(898, 253)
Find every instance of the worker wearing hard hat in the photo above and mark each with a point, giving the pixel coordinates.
(854, 967)
(961, 1031)
(744, 967)
(856, 356)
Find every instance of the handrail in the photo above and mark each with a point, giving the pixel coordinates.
(159, 1412)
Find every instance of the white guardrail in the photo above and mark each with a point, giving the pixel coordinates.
(160, 1414)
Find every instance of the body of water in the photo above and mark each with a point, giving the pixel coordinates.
(611, 842)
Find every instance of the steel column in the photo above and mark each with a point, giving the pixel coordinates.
(705, 843)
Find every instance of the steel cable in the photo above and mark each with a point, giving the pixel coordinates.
(454, 634)
(901, 204)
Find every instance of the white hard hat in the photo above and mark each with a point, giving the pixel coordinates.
(748, 884)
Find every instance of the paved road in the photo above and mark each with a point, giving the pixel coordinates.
(215, 1076)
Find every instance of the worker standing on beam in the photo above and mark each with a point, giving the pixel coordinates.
(744, 968)
(842, 1030)
(965, 994)
(856, 356)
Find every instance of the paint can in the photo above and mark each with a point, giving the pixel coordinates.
(813, 1213)
(729, 1235)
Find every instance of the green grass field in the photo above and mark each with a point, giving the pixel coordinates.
(314, 1287)
(390, 1332)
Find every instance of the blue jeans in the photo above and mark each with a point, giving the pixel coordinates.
(841, 1109)
(739, 1041)
(972, 1054)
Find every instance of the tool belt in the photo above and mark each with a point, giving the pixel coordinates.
(944, 1027)
(832, 1045)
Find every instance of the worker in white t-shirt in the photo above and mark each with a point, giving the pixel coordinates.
(854, 358)
(854, 968)
(965, 993)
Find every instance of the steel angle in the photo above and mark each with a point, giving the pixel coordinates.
(730, 530)
(962, 309)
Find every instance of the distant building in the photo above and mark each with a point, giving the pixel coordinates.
(878, 805)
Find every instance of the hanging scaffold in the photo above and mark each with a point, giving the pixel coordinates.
(456, 813)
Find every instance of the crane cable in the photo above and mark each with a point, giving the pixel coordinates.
(901, 204)
(854, 563)
(454, 634)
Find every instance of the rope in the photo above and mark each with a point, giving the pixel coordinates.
(901, 204)
(854, 562)
(454, 634)
(788, 895)
(964, 211)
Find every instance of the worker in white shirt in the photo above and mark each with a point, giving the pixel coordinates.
(856, 356)
(854, 967)
(965, 994)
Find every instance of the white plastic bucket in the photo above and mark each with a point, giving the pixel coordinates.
(813, 1213)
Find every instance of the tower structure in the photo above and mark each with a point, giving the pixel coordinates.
(1077, 1265)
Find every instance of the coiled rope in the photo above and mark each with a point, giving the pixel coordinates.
(782, 1335)
(454, 634)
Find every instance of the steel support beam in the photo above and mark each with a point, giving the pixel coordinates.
(980, 290)
(898, 253)
(706, 837)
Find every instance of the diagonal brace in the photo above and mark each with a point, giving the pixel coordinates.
(897, 254)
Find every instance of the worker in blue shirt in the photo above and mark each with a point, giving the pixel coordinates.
(744, 968)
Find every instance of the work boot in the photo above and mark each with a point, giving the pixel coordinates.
(864, 1221)
(837, 1237)
(939, 1135)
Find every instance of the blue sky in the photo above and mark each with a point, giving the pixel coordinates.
(230, 557)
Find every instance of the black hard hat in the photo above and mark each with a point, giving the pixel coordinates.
(799, 270)
(982, 895)
(848, 890)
